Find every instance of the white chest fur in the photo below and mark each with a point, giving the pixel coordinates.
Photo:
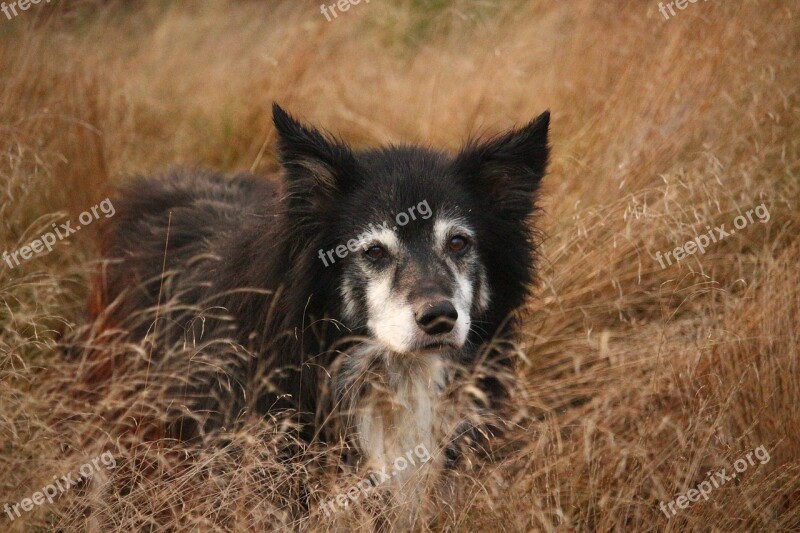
(402, 411)
(400, 418)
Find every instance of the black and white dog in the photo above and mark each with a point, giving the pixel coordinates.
(349, 298)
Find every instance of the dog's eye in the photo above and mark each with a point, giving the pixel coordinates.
(376, 252)
(457, 244)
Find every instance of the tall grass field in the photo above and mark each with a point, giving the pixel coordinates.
(658, 357)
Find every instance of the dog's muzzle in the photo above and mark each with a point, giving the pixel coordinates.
(436, 318)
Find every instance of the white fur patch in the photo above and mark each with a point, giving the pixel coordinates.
(380, 235)
(403, 408)
(462, 301)
(349, 309)
(395, 420)
(391, 318)
(484, 296)
(444, 229)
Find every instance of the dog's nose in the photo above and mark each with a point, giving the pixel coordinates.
(436, 318)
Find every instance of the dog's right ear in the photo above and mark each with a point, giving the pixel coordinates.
(506, 170)
(317, 165)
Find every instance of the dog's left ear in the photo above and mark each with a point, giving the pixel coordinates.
(317, 166)
(507, 169)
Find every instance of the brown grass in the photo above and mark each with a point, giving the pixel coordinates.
(637, 380)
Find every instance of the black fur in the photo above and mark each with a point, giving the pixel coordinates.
(243, 253)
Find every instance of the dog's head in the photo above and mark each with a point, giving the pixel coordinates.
(422, 250)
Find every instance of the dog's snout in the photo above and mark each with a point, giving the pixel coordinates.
(436, 318)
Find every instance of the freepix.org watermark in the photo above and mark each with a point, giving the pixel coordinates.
(680, 4)
(367, 485)
(704, 488)
(11, 7)
(353, 245)
(343, 5)
(38, 246)
(62, 484)
(701, 242)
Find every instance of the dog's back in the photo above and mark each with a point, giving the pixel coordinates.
(168, 279)
(173, 227)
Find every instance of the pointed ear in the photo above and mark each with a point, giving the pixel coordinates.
(507, 169)
(317, 165)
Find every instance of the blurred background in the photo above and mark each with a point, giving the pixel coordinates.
(638, 379)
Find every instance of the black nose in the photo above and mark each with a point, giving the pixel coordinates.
(436, 318)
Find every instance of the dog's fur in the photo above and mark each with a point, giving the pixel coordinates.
(233, 266)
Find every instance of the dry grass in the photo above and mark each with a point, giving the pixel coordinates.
(637, 380)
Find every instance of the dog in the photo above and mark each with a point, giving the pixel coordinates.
(349, 298)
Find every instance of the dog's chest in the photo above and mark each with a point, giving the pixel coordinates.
(407, 410)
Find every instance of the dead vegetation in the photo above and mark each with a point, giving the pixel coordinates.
(637, 380)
